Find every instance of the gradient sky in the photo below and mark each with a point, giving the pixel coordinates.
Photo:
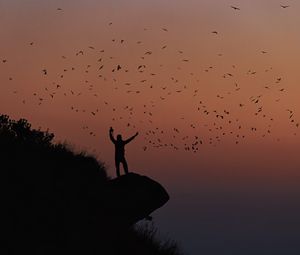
(223, 194)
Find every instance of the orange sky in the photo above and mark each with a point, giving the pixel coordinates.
(184, 70)
(242, 36)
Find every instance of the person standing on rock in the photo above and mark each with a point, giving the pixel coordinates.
(120, 150)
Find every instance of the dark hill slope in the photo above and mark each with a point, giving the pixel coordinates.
(60, 202)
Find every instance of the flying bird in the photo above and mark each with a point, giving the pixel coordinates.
(235, 8)
(284, 6)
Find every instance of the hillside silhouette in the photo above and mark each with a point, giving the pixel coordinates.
(61, 202)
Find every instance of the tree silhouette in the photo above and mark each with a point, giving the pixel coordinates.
(21, 130)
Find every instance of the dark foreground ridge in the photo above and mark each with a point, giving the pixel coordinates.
(60, 202)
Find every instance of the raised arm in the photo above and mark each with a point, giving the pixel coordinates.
(131, 138)
(111, 135)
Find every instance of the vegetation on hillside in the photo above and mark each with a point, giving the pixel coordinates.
(55, 200)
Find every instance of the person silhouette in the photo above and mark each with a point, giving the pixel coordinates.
(120, 150)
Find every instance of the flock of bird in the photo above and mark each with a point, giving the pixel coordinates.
(141, 79)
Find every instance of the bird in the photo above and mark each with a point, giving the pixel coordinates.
(235, 8)
(284, 6)
(79, 52)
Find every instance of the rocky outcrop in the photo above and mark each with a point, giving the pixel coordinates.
(134, 197)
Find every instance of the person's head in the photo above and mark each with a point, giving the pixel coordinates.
(119, 137)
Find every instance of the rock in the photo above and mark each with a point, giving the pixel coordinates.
(134, 197)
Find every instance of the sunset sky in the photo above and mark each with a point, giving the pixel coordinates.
(212, 90)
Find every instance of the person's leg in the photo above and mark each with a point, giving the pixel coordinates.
(125, 166)
(117, 162)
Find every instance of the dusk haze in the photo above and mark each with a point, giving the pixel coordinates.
(191, 109)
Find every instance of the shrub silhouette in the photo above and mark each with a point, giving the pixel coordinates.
(56, 199)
